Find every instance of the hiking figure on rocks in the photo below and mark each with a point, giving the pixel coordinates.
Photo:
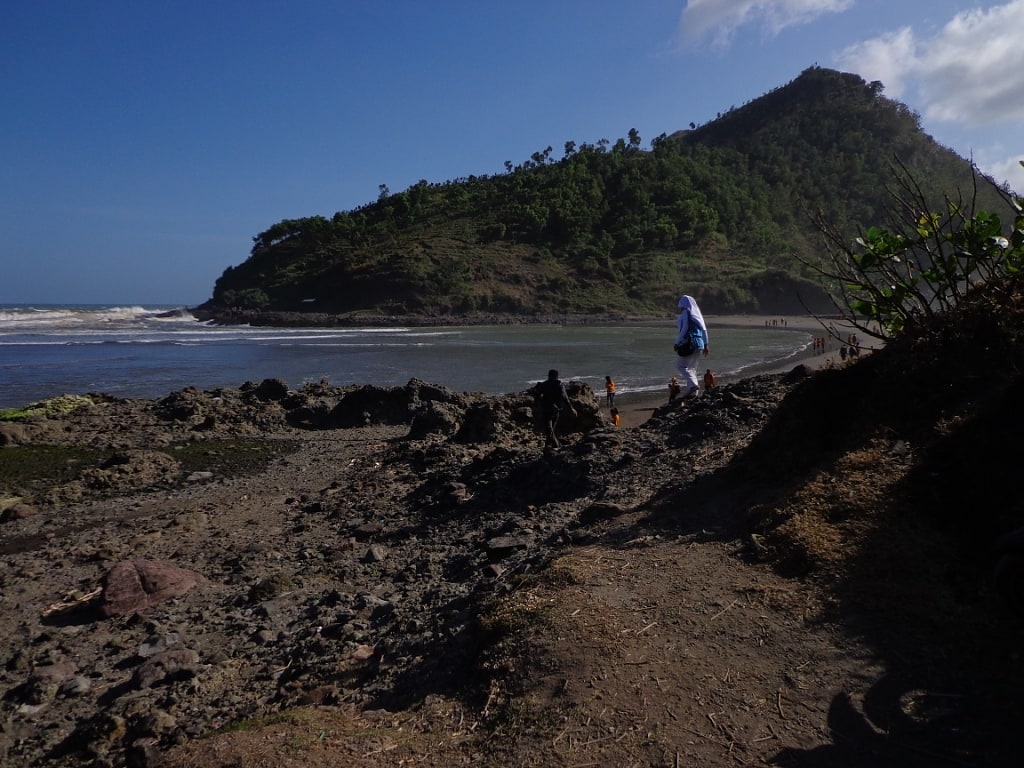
(692, 335)
(553, 397)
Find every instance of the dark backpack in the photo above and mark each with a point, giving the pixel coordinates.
(691, 343)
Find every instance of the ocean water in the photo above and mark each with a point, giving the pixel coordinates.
(131, 351)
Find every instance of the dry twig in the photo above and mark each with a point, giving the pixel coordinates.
(730, 605)
(69, 602)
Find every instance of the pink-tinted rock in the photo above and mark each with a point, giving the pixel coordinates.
(18, 511)
(135, 585)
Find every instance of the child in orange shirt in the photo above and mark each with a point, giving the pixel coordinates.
(674, 389)
(609, 388)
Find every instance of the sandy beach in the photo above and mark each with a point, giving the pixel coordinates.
(636, 407)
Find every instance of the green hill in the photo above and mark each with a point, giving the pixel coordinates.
(725, 211)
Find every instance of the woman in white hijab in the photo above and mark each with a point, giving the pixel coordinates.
(692, 328)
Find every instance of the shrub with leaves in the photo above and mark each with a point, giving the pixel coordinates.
(924, 264)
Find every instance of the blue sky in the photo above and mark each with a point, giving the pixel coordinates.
(144, 144)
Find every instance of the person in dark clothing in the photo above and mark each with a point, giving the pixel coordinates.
(553, 398)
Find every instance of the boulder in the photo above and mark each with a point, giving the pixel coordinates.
(12, 434)
(135, 585)
(601, 510)
(17, 511)
(272, 389)
(479, 424)
(45, 681)
(372, 405)
(186, 404)
(134, 468)
(435, 417)
(454, 493)
(502, 546)
(423, 392)
(168, 666)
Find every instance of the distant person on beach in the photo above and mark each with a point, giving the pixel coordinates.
(609, 388)
(691, 327)
(673, 388)
(616, 416)
(552, 398)
(709, 379)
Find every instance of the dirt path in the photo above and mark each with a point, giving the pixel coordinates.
(678, 653)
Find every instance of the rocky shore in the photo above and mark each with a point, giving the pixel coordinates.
(144, 606)
(174, 568)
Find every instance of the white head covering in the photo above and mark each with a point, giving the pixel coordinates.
(688, 304)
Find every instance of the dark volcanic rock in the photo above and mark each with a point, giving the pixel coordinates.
(479, 424)
(435, 418)
(175, 664)
(132, 469)
(45, 681)
(350, 570)
(371, 405)
(272, 389)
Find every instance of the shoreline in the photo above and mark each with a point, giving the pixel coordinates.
(646, 399)
(284, 319)
(636, 408)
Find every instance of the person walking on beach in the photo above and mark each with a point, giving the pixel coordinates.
(609, 388)
(692, 331)
(709, 379)
(552, 397)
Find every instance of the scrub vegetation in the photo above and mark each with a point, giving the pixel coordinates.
(731, 207)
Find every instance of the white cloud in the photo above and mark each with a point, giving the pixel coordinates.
(970, 72)
(1005, 170)
(890, 58)
(720, 18)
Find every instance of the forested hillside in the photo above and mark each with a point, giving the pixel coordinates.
(727, 211)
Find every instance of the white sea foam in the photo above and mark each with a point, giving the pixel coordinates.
(20, 318)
